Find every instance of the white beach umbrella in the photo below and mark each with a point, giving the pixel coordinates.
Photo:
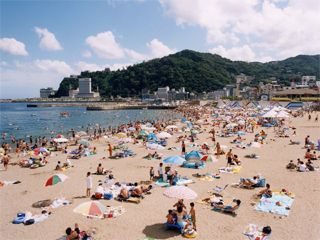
(171, 126)
(164, 135)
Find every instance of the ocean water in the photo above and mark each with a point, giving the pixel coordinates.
(18, 120)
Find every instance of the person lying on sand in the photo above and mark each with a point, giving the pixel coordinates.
(228, 208)
(73, 234)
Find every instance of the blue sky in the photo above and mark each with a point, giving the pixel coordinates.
(43, 41)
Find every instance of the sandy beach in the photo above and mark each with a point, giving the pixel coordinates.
(147, 218)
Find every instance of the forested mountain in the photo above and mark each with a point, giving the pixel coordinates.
(195, 71)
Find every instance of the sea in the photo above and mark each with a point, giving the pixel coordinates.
(17, 120)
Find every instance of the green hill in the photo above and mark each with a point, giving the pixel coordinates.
(195, 71)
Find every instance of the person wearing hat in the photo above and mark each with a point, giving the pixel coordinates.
(180, 204)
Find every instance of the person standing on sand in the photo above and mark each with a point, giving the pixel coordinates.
(229, 156)
(160, 171)
(193, 216)
(151, 173)
(218, 150)
(316, 119)
(110, 150)
(89, 184)
(183, 147)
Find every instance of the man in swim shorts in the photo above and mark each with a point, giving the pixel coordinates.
(229, 156)
(228, 208)
(73, 234)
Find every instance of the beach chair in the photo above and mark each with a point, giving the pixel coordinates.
(232, 213)
(219, 190)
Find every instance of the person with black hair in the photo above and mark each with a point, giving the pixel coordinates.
(73, 234)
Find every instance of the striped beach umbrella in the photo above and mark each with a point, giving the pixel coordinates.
(90, 208)
(209, 158)
(56, 179)
(180, 192)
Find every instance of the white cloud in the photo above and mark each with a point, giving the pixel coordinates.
(119, 66)
(13, 47)
(83, 66)
(286, 28)
(86, 54)
(48, 40)
(3, 63)
(159, 50)
(134, 56)
(105, 46)
(54, 66)
(243, 53)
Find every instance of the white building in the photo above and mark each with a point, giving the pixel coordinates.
(73, 93)
(306, 79)
(163, 92)
(46, 92)
(85, 89)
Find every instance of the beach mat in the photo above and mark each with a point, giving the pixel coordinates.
(181, 182)
(269, 204)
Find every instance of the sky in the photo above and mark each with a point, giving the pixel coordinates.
(42, 41)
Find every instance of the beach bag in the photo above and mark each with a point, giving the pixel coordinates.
(108, 196)
(29, 222)
(110, 176)
(98, 195)
(266, 230)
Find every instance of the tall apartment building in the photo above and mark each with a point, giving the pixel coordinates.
(46, 92)
(85, 89)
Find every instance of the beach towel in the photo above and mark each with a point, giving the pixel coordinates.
(181, 182)
(255, 232)
(276, 204)
(278, 192)
(206, 178)
(65, 168)
(230, 170)
(57, 203)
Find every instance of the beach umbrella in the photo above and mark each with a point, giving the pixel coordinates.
(152, 136)
(154, 146)
(90, 208)
(240, 133)
(193, 155)
(143, 133)
(171, 126)
(194, 131)
(174, 159)
(209, 158)
(121, 135)
(180, 192)
(81, 133)
(255, 145)
(39, 150)
(53, 180)
(131, 129)
(60, 136)
(184, 120)
(60, 140)
(84, 143)
(164, 135)
(232, 125)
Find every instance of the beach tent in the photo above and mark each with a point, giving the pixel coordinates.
(193, 156)
(143, 133)
(282, 114)
(270, 114)
(154, 146)
(152, 136)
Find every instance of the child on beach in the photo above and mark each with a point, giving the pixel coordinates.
(151, 173)
(89, 184)
(193, 216)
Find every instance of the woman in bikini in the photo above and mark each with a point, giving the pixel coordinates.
(218, 149)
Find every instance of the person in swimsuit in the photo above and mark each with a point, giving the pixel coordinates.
(218, 149)
(170, 217)
(183, 224)
(228, 208)
(124, 193)
(5, 162)
(180, 204)
(193, 216)
(229, 156)
(183, 147)
(73, 234)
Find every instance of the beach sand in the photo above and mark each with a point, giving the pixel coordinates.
(147, 218)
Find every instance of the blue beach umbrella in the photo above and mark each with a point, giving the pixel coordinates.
(174, 159)
(143, 133)
(267, 125)
(240, 133)
(152, 136)
(184, 119)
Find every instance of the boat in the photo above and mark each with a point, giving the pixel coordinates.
(33, 114)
